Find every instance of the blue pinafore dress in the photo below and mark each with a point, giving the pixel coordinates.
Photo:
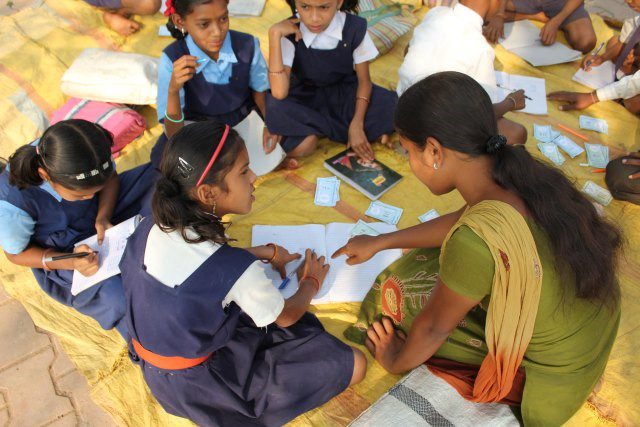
(322, 94)
(225, 103)
(255, 376)
(60, 224)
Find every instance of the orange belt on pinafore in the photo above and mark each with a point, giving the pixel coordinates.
(167, 362)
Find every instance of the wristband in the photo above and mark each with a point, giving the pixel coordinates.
(45, 267)
(275, 253)
(315, 279)
(166, 116)
(515, 104)
(363, 98)
(277, 72)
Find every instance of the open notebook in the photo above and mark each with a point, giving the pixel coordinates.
(597, 77)
(523, 39)
(110, 253)
(344, 283)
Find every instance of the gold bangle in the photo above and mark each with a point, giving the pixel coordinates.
(593, 98)
(515, 104)
(313, 278)
(363, 98)
(277, 72)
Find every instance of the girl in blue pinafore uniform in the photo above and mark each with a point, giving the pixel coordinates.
(215, 339)
(210, 72)
(320, 83)
(62, 189)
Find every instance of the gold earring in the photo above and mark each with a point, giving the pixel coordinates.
(213, 210)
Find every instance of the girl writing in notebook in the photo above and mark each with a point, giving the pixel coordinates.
(209, 72)
(320, 82)
(62, 189)
(526, 305)
(231, 350)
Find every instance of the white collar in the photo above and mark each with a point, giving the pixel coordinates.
(334, 30)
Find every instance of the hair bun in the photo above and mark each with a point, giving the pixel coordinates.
(168, 188)
(496, 143)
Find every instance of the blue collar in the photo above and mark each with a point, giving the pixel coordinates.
(225, 56)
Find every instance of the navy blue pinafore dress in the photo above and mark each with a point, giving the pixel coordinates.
(254, 376)
(225, 103)
(60, 224)
(322, 94)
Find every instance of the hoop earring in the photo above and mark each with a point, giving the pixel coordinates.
(435, 166)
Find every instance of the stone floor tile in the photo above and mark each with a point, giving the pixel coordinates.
(30, 393)
(62, 365)
(90, 414)
(17, 334)
(4, 417)
(68, 420)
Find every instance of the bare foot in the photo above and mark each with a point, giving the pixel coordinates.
(289, 163)
(386, 141)
(120, 24)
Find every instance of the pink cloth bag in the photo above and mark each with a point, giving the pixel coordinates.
(124, 124)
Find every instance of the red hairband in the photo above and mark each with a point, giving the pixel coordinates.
(215, 155)
(169, 9)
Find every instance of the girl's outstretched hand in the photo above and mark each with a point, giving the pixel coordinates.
(184, 68)
(359, 144)
(313, 267)
(283, 258)
(287, 27)
(358, 249)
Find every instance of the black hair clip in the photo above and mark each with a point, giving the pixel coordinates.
(184, 168)
(496, 143)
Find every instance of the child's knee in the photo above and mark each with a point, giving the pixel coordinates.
(632, 104)
(585, 43)
(620, 186)
(359, 366)
(515, 133)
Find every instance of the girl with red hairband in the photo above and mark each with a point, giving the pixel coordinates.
(209, 72)
(117, 13)
(216, 341)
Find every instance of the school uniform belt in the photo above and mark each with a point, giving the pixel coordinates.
(167, 362)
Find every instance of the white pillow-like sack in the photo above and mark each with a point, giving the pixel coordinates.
(109, 76)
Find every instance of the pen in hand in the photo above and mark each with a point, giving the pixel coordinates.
(68, 256)
(512, 90)
(595, 54)
(287, 279)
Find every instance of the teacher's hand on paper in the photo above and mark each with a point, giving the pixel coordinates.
(358, 249)
(494, 30)
(102, 225)
(573, 100)
(549, 32)
(282, 259)
(89, 265)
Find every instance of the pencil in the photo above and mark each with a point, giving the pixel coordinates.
(572, 132)
(512, 90)
(596, 53)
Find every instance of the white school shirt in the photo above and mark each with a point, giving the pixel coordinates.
(171, 260)
(628, 86)
(328, 40)
(448, 39)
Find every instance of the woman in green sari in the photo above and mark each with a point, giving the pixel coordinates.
(526, 306)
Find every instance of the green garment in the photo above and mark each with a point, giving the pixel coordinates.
(572, 337)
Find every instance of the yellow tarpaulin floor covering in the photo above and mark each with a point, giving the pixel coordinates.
(41, 40)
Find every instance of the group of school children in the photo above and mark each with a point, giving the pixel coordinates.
(216, 341)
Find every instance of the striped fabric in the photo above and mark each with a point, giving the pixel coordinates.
(387, 21)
